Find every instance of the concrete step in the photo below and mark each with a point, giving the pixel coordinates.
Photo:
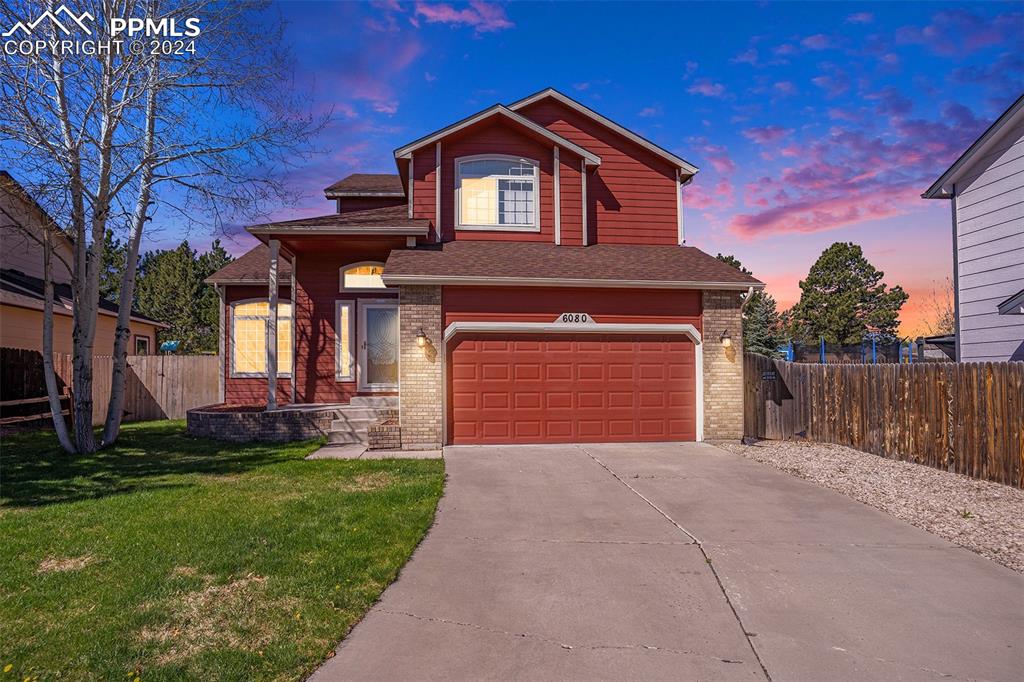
(374, 401)
(341, 437)
(361, 412)
(347, 424)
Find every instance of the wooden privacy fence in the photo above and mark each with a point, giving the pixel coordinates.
(962, 417)
(156, 386)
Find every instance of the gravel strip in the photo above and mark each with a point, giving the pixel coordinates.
(984, 517)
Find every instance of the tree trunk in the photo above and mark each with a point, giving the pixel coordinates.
(51, 380)
(115, 408)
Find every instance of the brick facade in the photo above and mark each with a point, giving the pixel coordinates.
(420, 369)
(723, 367)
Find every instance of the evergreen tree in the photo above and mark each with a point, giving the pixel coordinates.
(844, 296)
(171, 289)
(762, 329)
(115, 253)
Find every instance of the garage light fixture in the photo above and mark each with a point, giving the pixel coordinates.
(726, 339)
(421, 339)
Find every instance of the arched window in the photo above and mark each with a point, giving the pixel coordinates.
(362, 276)
(249, 338)
(496, 192)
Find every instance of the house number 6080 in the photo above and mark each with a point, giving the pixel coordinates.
(574, 318)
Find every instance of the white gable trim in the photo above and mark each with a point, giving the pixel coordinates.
(499, 110)
(943, 187)
(608, 123)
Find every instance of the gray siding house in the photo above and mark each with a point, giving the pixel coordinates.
(986, 189)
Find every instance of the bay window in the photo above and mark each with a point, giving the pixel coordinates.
(497, 193)
(249, 333)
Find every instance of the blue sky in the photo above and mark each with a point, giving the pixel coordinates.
(811, 123)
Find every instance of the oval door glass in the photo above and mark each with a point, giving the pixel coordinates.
(381, 345)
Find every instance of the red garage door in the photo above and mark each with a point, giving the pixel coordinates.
(565, 389)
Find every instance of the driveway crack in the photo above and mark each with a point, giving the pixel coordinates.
(700, 546)
(555, 642)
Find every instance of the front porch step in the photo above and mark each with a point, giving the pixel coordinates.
(347, 437)
(347, 423)
(374, 401)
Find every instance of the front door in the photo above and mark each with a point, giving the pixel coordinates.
(378, 345)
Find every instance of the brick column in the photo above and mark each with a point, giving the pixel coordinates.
(723, 367)
(420, 376)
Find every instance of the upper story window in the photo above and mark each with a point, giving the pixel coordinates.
(360, 276)
(497, 193)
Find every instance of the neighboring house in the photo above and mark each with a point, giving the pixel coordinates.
(521, 279)
(986, 186)
(22, 222)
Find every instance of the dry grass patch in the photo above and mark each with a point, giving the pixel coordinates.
(65, 564)
(235, 615)
(362, 483)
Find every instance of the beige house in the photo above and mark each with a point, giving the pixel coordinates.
(21, 283)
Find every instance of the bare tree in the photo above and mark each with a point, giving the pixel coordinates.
(197, 127)
(941, 317)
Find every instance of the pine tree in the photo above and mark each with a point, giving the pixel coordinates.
(844, 297)
(115, 253)
(171, 289)
(762, 330)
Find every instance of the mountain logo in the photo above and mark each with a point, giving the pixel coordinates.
(69, 19)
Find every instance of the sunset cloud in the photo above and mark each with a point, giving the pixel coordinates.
(484, 17)
(766, 134)
(706, 87)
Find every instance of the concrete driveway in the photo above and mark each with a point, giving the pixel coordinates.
(677, 561)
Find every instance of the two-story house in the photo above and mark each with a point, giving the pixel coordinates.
(985, 187)
(523, 278)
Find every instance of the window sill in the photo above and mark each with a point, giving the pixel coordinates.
(498, 228)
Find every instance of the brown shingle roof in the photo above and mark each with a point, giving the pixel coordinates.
(492, 261)
(367, 184)
(385, 217)
(251, 267)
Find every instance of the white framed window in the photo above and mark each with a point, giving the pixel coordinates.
(344, 341)
(141, 345)
(497, 192)
(365, 276)
(249, 333)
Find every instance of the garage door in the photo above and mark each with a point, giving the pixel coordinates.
(564, 389)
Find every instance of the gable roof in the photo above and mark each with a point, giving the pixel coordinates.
(503, 111)
(252, 267)
(17, 288)
(367, 185)
(383, 220)
(677, 161)
(497, 263)
(941, 188)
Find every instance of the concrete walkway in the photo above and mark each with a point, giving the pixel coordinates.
(677, 561)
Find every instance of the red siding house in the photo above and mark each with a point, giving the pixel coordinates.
(522, 278)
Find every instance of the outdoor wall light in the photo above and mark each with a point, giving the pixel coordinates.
(726, 339)
(421, 339)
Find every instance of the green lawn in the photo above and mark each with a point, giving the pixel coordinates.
(169, 557)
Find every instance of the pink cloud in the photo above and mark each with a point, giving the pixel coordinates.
(706, 87)
(718, 157)
(766, 134)
(834, 81)
(748, 56)
(785, 88)
(483, 16)
(957, 32)
(648, 112)
(891, 102)
(819, 41)
(860, 18)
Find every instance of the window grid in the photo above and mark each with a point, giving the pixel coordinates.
(497, 193)
(249, 338)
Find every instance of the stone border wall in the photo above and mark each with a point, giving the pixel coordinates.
(280, 426)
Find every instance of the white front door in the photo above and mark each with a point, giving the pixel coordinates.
(378, 345)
